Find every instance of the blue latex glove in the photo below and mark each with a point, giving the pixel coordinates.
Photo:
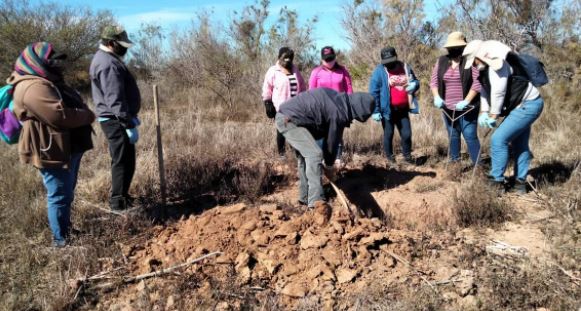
(376, 117)
(133, 135)
(438, 102)
(485, 121)
(482, 119)
(411, 87)
(461, 105)
(136, 121)
(490, 122)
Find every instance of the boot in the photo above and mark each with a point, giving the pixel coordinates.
(322, 213)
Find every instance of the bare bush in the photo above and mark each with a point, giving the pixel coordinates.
(476, 204)
(74, 31)
(401, 24)
(148, 56)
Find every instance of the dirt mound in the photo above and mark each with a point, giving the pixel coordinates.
(279, 248)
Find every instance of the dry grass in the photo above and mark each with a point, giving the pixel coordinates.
(476, 204)
(228, 160)
(527, 288)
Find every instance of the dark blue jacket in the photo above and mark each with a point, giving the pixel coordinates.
(115, 92)
(325, 113)
(379, 88)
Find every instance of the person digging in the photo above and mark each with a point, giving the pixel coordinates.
(319, 114)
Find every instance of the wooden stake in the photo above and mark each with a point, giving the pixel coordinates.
(159, 147)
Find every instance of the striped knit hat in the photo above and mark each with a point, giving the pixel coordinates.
(33, 60)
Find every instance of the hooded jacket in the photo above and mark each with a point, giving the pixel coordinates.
(326, 113)
(47, 122)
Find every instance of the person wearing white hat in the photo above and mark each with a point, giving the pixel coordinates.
(505, 94)
(455, 89)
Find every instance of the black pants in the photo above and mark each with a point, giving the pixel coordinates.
(122, 162)
(401, 120)
(280, 141)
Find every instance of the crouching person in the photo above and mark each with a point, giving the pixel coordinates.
(319, 114)
(56, 129)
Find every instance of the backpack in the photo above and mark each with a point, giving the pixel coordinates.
(528, 67)
(9, 125)
(525, 68)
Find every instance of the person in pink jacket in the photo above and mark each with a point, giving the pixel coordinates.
(281, 82)
(330, 74)
(333, 76)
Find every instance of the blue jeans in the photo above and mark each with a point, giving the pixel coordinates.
(60, 186)
(401, 120)
(514, 130)
(310, 158)
(467, 126)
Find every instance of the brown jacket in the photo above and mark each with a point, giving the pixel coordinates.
(45, 137)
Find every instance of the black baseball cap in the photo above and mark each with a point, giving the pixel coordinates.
(388, 55)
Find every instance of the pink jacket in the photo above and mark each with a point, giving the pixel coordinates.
(337, 79)
(276, 86)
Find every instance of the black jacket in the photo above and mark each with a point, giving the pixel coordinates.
(326, 113)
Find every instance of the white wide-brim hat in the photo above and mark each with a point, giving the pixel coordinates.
(493, 53)
(470, 52)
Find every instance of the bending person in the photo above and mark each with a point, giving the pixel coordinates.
(319, 114)
(506, 93)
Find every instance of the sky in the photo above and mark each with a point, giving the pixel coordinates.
(176, 14)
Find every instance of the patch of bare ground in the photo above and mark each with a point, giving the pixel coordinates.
(275, 256)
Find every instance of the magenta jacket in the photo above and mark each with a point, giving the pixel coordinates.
(337, 79)
(276, 86)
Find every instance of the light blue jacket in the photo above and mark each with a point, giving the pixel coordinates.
(379, 89)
